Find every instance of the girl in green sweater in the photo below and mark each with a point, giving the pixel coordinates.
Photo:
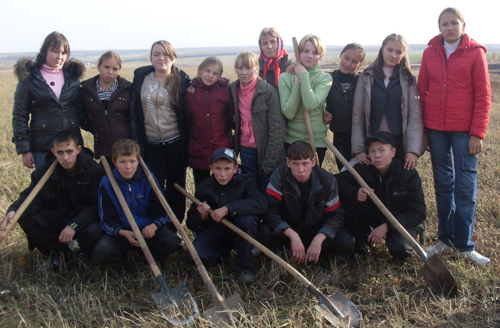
(306, 84)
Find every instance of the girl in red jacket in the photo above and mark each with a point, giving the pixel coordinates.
(209, 114)
(455, 97)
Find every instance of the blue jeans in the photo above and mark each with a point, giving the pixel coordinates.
(455, 183)
(39, 158)
(249, 158)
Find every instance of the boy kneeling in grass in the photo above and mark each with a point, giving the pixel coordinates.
(145, 206)
(234, 195)
(304, 210)
(399, 189)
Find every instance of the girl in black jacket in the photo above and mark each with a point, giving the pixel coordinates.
(340, 99)
(45, 97)
(106, 99)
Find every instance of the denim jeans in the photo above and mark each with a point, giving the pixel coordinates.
(39, 159)
(455, 183)
(249, 158)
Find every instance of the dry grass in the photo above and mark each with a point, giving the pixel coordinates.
(388, 295)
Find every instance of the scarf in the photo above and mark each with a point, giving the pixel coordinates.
(280, 53)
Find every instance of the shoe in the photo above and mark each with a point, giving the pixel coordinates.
(246, 275)
(473, 256)
(438, 248)
(255, 251)
(51, 265)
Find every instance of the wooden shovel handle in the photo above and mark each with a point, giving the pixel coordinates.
(377, 201)
(130, 218)
(307, 119)
(252, 241)
(201, 268)
(29, 199)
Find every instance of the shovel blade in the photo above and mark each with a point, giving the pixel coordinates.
(221, 318)
(177, 305)
(352, 316)
(438, 276)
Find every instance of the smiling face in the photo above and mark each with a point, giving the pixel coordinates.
(66, 154)
(56, 57)
(126, 166)
(393, 53)
(245, 74)
(309, 56)
(381, 155)
(269, 46)
(108, 71)
(160, 58)
(301, 168)
(223, 170)
(210, 74)
(350, 61)
(451, 28)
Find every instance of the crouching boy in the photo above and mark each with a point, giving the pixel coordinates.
(399, 189)
(145, 206)
(304, 211)
(234, 195)
(66, 207)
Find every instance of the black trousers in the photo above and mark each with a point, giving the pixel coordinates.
(113, 251)
(342, 141)
(165, 162)
(362, 217)
(43, 230)
(342, 244)
(200, 175)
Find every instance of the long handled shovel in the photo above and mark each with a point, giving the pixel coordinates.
(434, 271)
(307, 119)
(224, 310)
(29, 199)
(176, 305)
(337, 309)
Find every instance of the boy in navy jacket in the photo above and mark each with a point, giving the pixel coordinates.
(233, 194)
(145, 206)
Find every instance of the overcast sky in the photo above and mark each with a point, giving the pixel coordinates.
(111, 24)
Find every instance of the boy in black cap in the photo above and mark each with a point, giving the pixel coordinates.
(399, 189)
(234, 195)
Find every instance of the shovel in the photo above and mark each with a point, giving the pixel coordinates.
(29, 199)
(176, 305)
(337, 309)
(434, 271)
(224, 311)
(307, 119)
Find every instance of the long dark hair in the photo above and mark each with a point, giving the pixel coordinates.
(53, 41)
(403, 66)
(173, 82)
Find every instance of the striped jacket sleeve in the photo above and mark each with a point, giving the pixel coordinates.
(274, 197)
(334, 214)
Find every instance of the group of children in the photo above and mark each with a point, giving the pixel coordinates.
(279, 194)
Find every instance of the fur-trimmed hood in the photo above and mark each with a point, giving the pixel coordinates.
(25, 69)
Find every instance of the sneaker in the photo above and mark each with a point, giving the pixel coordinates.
(246, 275)
(474, 257)
(438, 248)
(51, 265)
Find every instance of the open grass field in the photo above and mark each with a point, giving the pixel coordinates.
(388, 295)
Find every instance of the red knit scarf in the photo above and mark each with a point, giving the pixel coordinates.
(274, 61)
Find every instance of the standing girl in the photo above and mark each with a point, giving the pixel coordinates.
(44, 102)
(106, 99)
(341, 97)
(158, 121)
(306, 86)
(209, 116)
(455, 93)
(273, 58)
(386, 99)
(260, 127)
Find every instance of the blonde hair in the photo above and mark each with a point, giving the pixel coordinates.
(271, 31)
(452, 11)
(318, 43)
(110, 55)
(208, 62)
(247, 59)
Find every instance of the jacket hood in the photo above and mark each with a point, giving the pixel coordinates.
(26, 68)
(467, 42)
(222, 82)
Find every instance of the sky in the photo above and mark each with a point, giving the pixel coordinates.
(125, 24)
